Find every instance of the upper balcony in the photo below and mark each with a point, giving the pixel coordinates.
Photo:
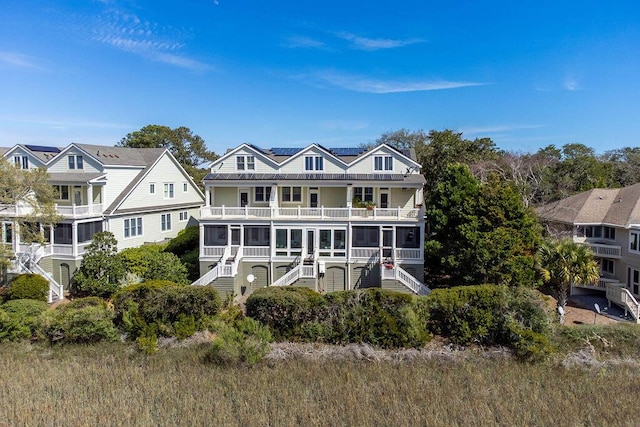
(320, 213)
(66, 211)
(601, 250)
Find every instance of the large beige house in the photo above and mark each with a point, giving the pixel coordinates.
(328, 219)
(608, 220)
(141, 195)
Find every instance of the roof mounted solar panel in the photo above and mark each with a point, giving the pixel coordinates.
(43, 149)
(285, 151)
(348, 151)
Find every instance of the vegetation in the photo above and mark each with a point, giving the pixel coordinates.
(28, 286)
(479, 232)
(102, 270)
(19, 318)
(189, 150)
(81, 321)
(151, 262)
(76, 383)
(564, 262)
(186, 245)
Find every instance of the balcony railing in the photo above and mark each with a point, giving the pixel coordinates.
(223, 212)
(56, 249)
(79, 210)
(605, 251)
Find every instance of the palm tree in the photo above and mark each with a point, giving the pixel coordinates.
(563, 262)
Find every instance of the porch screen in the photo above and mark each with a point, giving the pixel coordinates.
(407, 237)
(366, 237)
(215, 235)
(87, 230)
(256, 236)
(62, 234)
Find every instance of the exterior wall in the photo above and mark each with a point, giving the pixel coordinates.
(34, 162)
(297, 163)
(262, 164)
(165, 171)
(333, 196)
(365, 164)
(403, 198)
(118, 180)
(57, 267)
(227, 196)
(151, 227)
(61, 163)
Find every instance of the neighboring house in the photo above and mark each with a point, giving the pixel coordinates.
(141, 195)
(608, 220)
(327, 219)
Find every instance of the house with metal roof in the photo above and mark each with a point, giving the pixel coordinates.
(141, 195)
(325, 218)
(608, 220)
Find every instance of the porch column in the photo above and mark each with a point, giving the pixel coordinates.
(90, 197)
(74, 238)
(349, 195)
(201, 239)
(207, 193)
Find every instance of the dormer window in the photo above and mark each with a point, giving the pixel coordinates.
(75, 162)
(313, 163)
(245, 163)
(22, 162)
(383, 163)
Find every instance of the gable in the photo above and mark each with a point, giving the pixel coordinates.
(229, 162)
(399, 163)
(20, 152)
(305, 161)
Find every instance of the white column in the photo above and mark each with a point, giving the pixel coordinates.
(207, 192)
(90, 197)
(74, 238)
(349, 195)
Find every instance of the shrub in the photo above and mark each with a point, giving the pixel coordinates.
(102, 270)
(28, 286)
(85, 320)
(185, 241)
(150, 263)
(245, 342)
(375, 316)
(173, 309)
(285, 309)
(491, 315)
(22, 317)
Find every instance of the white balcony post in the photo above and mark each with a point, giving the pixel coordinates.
(207, 192)
(74, 237)
(90, 197)
(223, 212)
(201, 238)
(322, 211)
(399, 213)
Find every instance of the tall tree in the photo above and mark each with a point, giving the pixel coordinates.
(189, 150)
(479, 232)
(101, 270)
(564, 262)
(625, 165)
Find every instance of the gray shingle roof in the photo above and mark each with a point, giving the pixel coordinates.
(616, 206)
(122, 156)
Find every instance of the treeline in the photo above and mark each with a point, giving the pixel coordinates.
(549, 174)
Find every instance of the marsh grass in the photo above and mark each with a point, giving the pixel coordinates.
(110, 384)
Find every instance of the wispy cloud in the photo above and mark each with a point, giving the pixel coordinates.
(304, 42)
(571, 84)
(129, 33)
(368, 85)
(19, 60)
(365, 43)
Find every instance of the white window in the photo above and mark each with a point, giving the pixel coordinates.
(291, 194)
(184, 215)
(313, 163)
(21, 162)
(609, 233)
(382, 163)
(152, 188)
(364, 194)
(185, 187)
(132, 227)
(165, 222)
(262, 194)
(607, 266)
(75, 162)
(62, 192)
(633, 280)
(245, 163)
(634, 241)
(168, 190)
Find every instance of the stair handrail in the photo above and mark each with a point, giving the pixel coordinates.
(208, 277)
(289, 277)
(26, 263)
(411, 282)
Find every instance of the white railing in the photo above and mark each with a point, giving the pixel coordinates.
(408, 253)
(308, 270)
(289, 277)
(208, 277)
(15, 210)
(365, 253)
(411, 282)
(213, 251)
(256, 251)
(79, 210)
(608, 251)
(388, 273)
(621, 296)
(315, 213)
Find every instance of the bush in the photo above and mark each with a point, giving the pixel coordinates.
(245, 342)
(491, 315)
(173, 309)
(19, 318)
(185, 241)
(150, 263)
(28, 286)
(285, 309)
(84, 321)
(374, 316)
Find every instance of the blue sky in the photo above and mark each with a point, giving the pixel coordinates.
(339, 73)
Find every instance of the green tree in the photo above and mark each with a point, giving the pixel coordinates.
(625, 165)
(101, 271)
(479, 232)
(564, 262)
(189, 150)
(149, 262)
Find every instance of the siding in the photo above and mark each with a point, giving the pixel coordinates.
(297, 163)
(61, 163)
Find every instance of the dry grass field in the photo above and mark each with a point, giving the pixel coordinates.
(112, 385)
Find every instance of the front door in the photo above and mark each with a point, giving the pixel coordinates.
(384, 200)
(313, 198)
(77, 196)
(310, 242)
(244, 198)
